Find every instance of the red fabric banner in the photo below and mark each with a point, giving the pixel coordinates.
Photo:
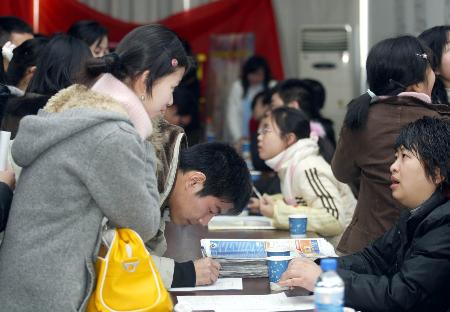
(23, 9)
(195, 26)
(231, 16)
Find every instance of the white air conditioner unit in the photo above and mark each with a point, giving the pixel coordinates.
(326, 54)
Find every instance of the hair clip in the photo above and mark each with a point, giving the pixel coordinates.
(423, 55)
(396, 83)
(174, 62)
(371, 93)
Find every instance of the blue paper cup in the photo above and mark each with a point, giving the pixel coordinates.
(276, 266)
(277, 251)
(297, 225)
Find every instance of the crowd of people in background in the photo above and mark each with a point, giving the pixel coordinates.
(97, 129)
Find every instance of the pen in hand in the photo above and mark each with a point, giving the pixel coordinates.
(203, 252)
(258, 194)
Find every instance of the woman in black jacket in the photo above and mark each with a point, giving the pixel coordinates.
(408, 268)
(56, 68)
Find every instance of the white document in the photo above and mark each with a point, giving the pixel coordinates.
(240, 223)
(247, 303)
(4, 147)
(220, 284)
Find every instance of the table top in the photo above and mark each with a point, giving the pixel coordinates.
(184, 244)
(184, 241)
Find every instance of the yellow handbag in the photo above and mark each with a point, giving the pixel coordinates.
(127, 279)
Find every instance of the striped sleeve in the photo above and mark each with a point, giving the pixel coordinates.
(320, 201)
(322, 189)
(319, 220)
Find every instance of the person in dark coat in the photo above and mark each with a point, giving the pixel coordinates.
(400, 79)
(408, 268)
(7, 184)
(57, 67)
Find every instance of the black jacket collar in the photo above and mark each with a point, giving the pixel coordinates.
(422, 211)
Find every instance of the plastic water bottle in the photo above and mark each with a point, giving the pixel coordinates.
(329, 290)
(246, 153)
(210, 135)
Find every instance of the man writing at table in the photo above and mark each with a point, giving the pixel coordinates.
(195, 184)
(408, 268)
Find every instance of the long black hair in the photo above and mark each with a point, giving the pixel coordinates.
(24, 56)
(436, 39)
(88, 31)
(253, 64)
(392, 65)
(59, 64)
(151, 47)
(291, 120)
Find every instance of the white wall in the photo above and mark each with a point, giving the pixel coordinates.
(393, 18)
(291, 14)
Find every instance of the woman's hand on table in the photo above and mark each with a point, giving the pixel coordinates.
(266, 206)
(301, 272)
(253, 205)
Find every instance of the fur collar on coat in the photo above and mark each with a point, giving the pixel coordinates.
(167, 139)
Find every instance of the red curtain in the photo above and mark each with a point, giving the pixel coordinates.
(23, 9)
(195, 26)
(231, 16)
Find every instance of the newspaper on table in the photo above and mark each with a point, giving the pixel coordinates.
(247, 257)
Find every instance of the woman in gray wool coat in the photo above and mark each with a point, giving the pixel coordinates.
(85, 157)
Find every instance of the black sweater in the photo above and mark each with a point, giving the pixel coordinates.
(5, 203)
(408, 268)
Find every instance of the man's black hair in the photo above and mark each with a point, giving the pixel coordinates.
(297, 90)
(227, 175)
(12, 24)
(429, 139)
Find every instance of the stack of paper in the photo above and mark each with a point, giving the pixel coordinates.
(246, 257)
(242, 268)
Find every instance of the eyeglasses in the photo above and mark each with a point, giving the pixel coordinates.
(264, 131)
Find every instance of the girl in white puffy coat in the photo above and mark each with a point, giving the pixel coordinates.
(308, 185)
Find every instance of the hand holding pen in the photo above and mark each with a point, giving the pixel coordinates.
(206, 269)
(255, 203)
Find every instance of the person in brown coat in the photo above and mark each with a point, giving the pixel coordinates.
(400, 78)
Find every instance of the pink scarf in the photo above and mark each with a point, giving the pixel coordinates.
(286, 162)
(113, 87)
(421, 96)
